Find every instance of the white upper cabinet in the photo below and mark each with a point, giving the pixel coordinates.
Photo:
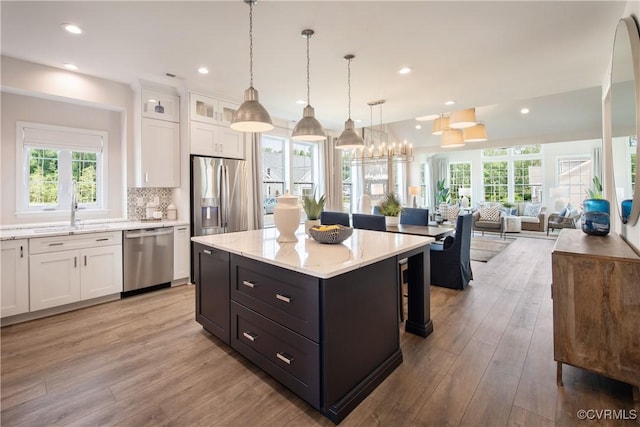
(159, 105)
(157, 136)
(209, 131)
(206, 109)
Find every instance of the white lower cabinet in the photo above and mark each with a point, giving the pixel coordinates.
(90, 267)
(217, 141)
(181, 252)
(55, 279)
(15, 277)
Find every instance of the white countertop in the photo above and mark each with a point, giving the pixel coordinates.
(307, 256)
(31, 231)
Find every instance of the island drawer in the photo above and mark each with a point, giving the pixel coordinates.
(288, 357)
(287, 297)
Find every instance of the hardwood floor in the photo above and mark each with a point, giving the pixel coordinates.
(144, 360)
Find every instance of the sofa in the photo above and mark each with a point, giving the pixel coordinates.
(533, 216)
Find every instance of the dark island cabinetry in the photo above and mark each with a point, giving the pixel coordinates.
(211, 274)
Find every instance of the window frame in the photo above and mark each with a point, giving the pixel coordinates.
(66, 140)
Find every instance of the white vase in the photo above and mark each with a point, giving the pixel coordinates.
(286, 216)
(310, 223)
(391, 221)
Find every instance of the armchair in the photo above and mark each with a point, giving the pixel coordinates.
(483, 224)
(559, 221)
(451, 262)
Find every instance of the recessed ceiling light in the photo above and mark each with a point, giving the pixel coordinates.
(301, 102)
(203, 70)
(418, 127)
(70, 66)
(72, 28)
(525, 110)
(427, 118)
(404, 70)
(450, 102)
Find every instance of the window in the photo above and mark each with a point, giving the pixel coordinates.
(496, 181)
(527, 180)
(287, 165)
(347, 181)
(574, 173)
(513, 174)
(57, 161)
(459, 177)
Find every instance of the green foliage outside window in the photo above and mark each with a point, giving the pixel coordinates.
(496, 181)
(522, 187)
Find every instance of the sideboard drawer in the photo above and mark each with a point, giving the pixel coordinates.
(288, 357)
(287, 297)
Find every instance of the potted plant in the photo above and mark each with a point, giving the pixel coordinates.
(312, 208)
(442, 197)
(390, 207)
(596, 220)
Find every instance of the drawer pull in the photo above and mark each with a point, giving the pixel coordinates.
(207, 251)
(102, 240)
(75, 261)
(248, 284)
(283, 298)
(250, 336)
(56, 244)
(284, 357)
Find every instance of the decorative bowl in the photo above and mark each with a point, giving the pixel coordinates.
(330, 234)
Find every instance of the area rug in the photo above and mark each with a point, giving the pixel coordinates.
(485, 248)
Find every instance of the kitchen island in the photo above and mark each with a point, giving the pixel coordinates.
(321, 319)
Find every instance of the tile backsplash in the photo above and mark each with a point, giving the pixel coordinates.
(136, 210)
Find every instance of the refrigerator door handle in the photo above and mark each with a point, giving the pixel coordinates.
(220, 214)
(227, 199)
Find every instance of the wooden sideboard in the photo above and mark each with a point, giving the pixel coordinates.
(596, 305)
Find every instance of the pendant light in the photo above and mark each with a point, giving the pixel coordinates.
(477, 133)
(440, 124)
(451, 138)
(349, 139)
(308, 128)
(463, 118)
(251, 116)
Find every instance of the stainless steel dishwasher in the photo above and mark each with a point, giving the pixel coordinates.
(148, 259)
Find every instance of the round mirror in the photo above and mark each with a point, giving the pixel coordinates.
(625, 95)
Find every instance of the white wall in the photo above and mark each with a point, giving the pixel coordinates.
(44, 94)
(27, 108)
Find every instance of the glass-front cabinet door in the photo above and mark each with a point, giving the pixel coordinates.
(210, 110)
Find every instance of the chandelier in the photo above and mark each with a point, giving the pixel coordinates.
(459, 128)
(382, 151)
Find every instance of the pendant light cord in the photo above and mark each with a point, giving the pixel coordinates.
(308, 66)
(251, 43)
(349, 84)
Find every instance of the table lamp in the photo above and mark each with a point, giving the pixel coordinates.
(464, 194)
(414, 191)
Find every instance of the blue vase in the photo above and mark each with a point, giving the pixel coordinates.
(596, 217)
(625, 209)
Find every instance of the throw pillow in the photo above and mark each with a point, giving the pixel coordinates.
(531, 209)
(489, 214)
(453, 213)
(569, 211)
(563, 212)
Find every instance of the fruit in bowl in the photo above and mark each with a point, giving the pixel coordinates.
(330, 234)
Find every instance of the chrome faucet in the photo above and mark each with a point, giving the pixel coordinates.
(74, 203)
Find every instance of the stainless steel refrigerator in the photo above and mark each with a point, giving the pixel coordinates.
(219, 195)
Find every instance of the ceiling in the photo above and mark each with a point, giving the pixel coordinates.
(549, 56)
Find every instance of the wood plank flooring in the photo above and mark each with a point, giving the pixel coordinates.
(145, 361)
